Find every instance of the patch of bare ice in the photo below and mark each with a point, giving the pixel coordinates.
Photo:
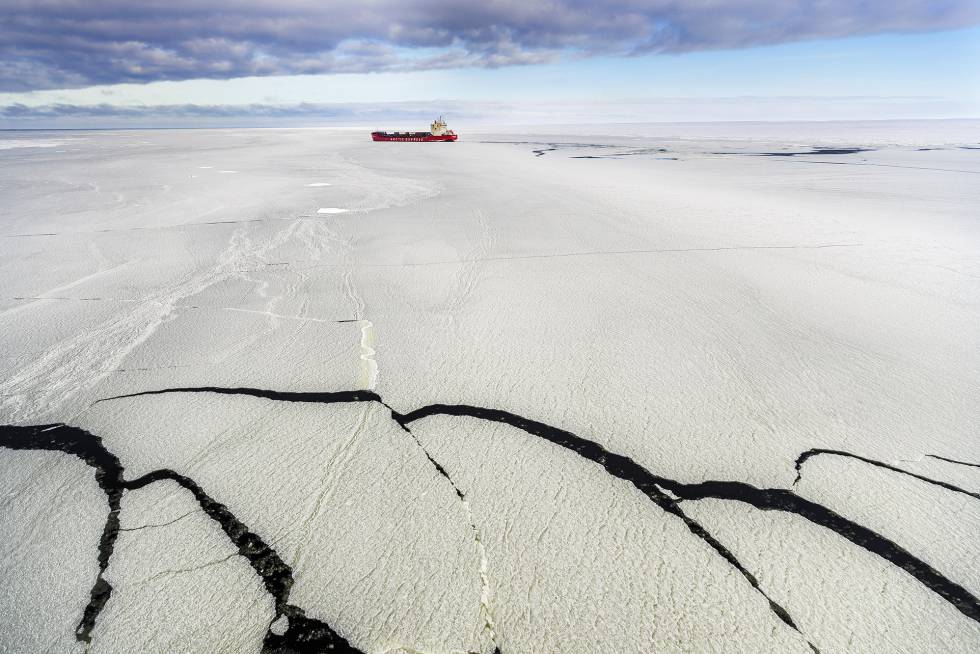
(370, 378)
(10, 144)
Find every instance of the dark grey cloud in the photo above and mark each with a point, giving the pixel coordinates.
(76, 43)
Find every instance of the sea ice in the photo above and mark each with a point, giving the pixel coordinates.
(537, 403)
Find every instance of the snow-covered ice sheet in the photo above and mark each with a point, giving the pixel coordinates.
(603, 390)
(178, 582)
(51, 523)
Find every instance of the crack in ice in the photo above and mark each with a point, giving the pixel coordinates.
(961, 463)
(308, 635)
(304, 635)
(809, 454)
(486, 610)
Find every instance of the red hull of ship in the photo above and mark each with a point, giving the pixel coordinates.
(424, 138)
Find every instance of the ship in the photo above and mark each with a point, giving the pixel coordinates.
(437, 132)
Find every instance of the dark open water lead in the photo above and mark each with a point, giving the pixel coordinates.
(306, 635)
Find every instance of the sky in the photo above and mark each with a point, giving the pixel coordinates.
(80, 63)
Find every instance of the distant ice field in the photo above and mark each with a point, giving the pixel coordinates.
(603, 388)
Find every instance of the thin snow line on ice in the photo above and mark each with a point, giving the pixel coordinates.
(590, 253)
(327, 490)
(370, 372)
(279, 315)
(879, 165)
(587, 253)
(64, 287)
(65, 369)
(180, 571)
(160, 524)
(70, 299)
(170, 367)
(180, 225)
(146, 228)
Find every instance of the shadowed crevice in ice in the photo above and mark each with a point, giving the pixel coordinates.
(303, 635)
(109, 477)
(620, 155)
(314, 398)
(812, 151)
(630, 152)
(672, 506)
(654, 493)
(766, 499)
(820, 151)
(780, 499)
(435, 464)
(486, 610)
(625, 468)
(325, 397)
(553, 146)
(809, 454)
(961, 463)
(308, 635)
(659, 497)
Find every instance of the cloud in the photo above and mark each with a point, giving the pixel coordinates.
(106, 110)
(21, 115)
(64, 115)
(75, 43)
(406, 115)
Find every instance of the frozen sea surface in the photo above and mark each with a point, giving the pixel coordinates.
(603, 390)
